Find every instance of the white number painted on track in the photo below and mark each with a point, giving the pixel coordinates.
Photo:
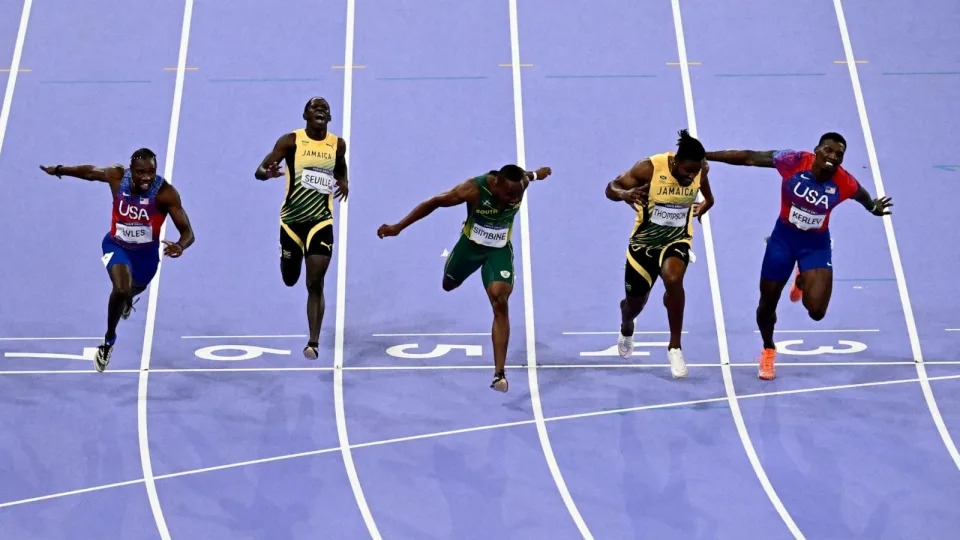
(400, 351)
(612, 350)
(88, 354)
(247, 352)
(785, 347)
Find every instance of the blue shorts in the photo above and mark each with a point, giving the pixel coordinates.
(788, 247)
(143, 262)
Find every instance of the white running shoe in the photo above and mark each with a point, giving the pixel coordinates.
(625, 346)
(678, 367)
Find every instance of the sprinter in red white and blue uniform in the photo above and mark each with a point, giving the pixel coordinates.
(812, 186)
(131, 250)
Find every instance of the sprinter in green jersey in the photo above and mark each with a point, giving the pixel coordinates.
(492, 199)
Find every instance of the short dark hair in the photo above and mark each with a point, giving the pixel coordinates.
(832, 136)
(512, 173)
(309, 101)
(143, 153)
(689, 148)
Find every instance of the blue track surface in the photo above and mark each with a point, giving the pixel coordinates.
(847, 443)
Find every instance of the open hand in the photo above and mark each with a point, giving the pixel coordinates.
(636, 195)
(51, 170)
(699, 209)
(343, 190)
(882, 204)
(173, 249)
(273, 170)
(388, 230)
(542, 173)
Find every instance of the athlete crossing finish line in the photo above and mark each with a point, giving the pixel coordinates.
(812, 186)
(131, 250)
(665, 186)
(316, 163)
(492, 200)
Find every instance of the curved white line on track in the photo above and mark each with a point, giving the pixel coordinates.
(528, 288)
(151, 317)
(892, 241)
(341, 294)
(717, 306)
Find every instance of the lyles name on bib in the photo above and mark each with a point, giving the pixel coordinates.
(488, 236)
(319, 180)
(135, 234)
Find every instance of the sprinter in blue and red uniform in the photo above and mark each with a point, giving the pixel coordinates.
(813, 184)
(131, 250)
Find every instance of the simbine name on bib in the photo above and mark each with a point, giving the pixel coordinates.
(488, 236)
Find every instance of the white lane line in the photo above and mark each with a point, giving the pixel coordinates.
(531, 340)
(151, 316)
(615, 333)
(14, 69)
(473, 430)
(717, 307)
(247, 336)
(341, 418)
(51, 338)
(435, 334)
(821, 331)
(892, 240)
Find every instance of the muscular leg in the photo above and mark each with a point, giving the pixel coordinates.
(499, 294)
(817, 289)
(122, 279)
(674, 297)
(770, 292)
(630, 308)
(291, 262)
(316, 272)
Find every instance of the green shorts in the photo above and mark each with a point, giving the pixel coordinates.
(467, 256)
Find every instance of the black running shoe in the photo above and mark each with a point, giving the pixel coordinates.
(102, 358)
(500, 382)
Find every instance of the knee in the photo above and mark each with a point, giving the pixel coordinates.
(449, 284)
(123, 289)
(817, 313)
(315, 283)
(673, 283)
(500, 301)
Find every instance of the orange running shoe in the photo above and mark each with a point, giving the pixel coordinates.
(796, 293)
(766, 364)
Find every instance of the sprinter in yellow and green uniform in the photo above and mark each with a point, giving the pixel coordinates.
(316, 173)
(663, 189)
(492, 200)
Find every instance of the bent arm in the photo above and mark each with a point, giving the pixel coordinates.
(340, 168)
(639, 175)
(705, 191)
(170, 199)
(750, 158)
(281, 149)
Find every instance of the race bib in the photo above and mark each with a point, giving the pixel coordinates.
(670, 215)
(137, 233)
(489, 236)
(319, 180)
(804, 220)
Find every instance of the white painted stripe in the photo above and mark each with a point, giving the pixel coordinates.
(151, 316)
(435, 334)
(821, 331)
(615, 333)
(247, 336)
(715, 294)
(531, 340)
(473, 430)
(892, 241)
(953, 329)
(51, 338)
(342, 291)
(14, 69)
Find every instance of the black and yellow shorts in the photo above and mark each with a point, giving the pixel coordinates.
(307, 238)
(467, 257)
(644, 263)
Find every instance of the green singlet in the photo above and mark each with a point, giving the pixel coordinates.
(484, 240)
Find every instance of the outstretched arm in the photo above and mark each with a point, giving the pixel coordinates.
(877, 207)
(340, 171)
(465, 192)
(751, 158)
(270, 166)
(86, 172)
(169, 199)
(539, 174)
(632, 186)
